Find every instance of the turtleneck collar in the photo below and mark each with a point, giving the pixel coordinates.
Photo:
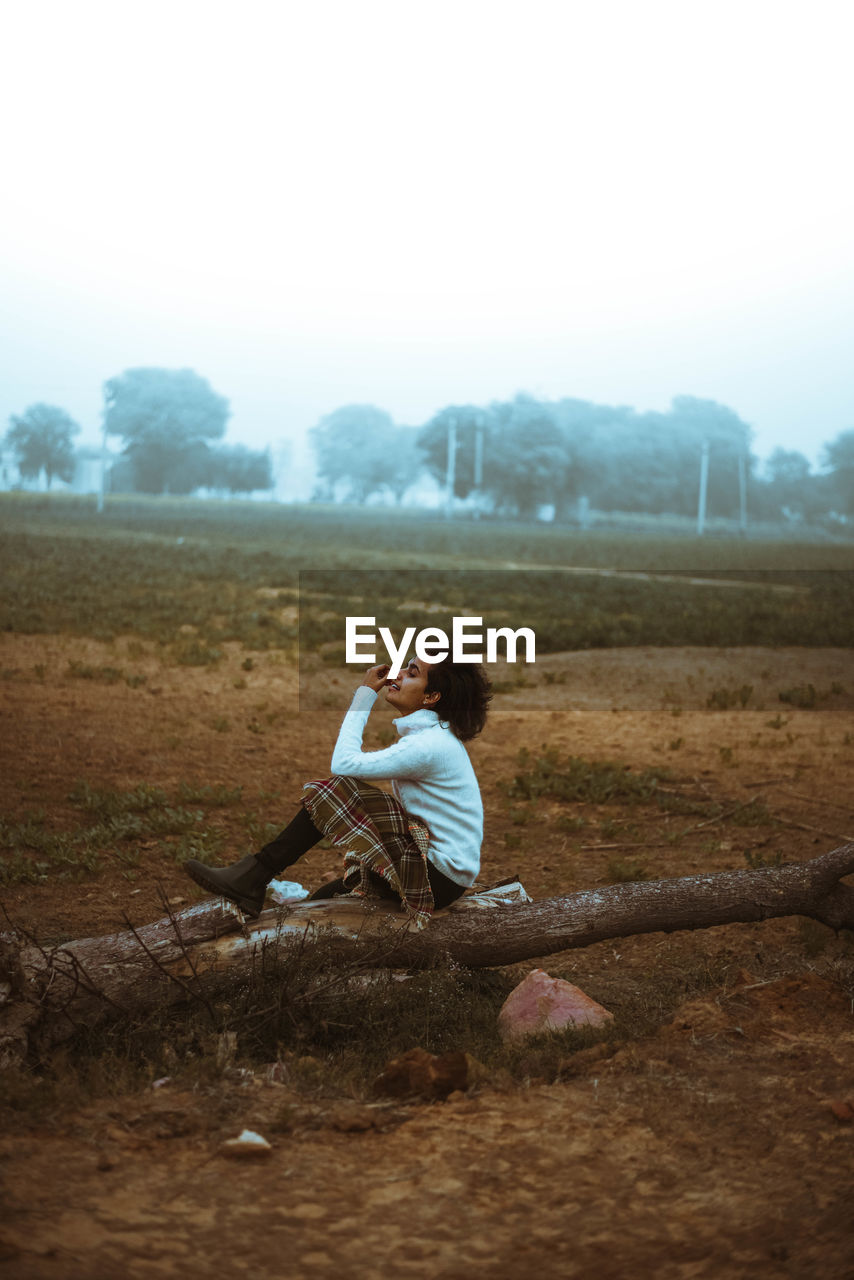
(423, 718)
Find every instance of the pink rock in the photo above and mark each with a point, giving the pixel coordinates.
(541, 1003)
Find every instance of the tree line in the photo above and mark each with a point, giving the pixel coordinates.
(518, 456)
(166, 419)
(512, 457)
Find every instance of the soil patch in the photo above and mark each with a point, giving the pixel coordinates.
(716, 1146)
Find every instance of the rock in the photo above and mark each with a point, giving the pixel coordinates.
(542, 1003)
(249, 1145)
(843, 1111)
(427, 1075)
(353, 1120)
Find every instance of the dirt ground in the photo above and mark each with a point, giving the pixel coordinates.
(721, 1145)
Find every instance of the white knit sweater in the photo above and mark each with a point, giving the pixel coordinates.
(431, 775)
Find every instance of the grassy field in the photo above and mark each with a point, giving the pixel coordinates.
(192, 575)
(149, 696)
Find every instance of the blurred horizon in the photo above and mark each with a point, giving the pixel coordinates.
(315, 208)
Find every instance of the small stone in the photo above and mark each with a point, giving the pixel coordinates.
(354, 1120)
(308, 1210)
(426, 1075)
(542, 1003)
(843, 1111)
(248, 1145)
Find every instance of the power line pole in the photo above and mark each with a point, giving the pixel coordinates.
(451, 469)
(478, 462)
(742, 493)
(704, 484)
(103, 484)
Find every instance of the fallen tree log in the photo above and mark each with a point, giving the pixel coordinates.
(48, 992)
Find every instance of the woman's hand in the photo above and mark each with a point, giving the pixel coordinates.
(375, 677)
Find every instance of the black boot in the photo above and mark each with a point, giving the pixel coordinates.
(244, 884)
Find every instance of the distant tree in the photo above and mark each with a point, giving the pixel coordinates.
(627, 461)
(788, 486)
(404, 462)
(432, 440)
(622, 460)
(526, 461)
(839, 456)
(610, 458)
(236, 469)
(41, 441)
(728, 439)
(165, 417)
(787, 468)
(359, 448)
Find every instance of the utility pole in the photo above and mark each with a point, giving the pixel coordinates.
(451, 470)
(103, 485)
(742, 493)
(704, 483)
(478, 462)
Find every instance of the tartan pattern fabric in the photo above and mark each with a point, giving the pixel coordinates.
(376, 834)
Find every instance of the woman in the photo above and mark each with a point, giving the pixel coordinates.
(420, 846)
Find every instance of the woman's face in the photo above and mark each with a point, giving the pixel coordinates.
(408, 692)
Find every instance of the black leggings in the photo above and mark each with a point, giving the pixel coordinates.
(301, 835)
(445, 891)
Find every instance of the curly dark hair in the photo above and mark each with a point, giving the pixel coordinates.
(464, 696)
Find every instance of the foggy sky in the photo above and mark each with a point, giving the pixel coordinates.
(619, 202)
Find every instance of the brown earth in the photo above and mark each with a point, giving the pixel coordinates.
(722, 1144)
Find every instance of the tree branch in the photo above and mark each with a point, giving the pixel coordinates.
(41, 992)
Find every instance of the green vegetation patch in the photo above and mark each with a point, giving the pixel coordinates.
(574, 779)
(572, 611)
(115, 825)
(807, 697)
(193, 575)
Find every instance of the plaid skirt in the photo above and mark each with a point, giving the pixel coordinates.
(376, 835)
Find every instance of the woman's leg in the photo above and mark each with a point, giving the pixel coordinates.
(333, 888)
(298, 837)
(445, 891)
(245, 883)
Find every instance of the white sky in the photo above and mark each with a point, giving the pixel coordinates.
(323, 202)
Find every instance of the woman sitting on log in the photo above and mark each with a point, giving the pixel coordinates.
(419, 846)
